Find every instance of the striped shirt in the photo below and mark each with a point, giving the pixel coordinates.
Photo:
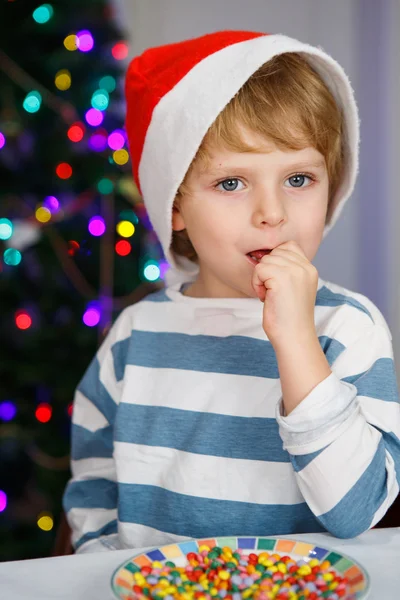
(178, 428)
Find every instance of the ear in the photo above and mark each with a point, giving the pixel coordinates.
(178, 223)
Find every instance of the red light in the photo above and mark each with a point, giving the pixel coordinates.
(22, 320)
(76, 132)
(123, 248)
(64, 170)
(120, 51)
(43, 412)
(73, 247)
(69, 410)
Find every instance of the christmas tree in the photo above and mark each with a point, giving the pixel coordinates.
(76, 244)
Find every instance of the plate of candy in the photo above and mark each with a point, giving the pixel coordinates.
(236, 568)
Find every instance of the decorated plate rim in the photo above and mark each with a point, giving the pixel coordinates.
(354, 562)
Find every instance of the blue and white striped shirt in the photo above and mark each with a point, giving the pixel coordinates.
(178, 429)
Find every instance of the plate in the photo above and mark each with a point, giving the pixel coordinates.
(122, 580)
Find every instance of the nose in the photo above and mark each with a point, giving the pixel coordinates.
(268, 207)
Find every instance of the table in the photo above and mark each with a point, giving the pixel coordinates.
(87, 576)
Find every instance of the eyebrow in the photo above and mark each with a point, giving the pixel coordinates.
(316, 164)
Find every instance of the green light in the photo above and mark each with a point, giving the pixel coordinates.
(128, 215)
(100, 99)
(12, 257)
(32, 102)
(105, 186)
(43, 13)
(151, 270)
(108, 83)
(6, 229)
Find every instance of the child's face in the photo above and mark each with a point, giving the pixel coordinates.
(250, 201)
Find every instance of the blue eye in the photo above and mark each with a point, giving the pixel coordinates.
(231, 185)
(298, 179)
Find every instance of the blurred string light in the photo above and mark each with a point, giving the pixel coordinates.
(42, 214)
(85, 41)
(120, 50)
(71, 42)
(120, 157)
(116, 139)
(91, 316)
(6, 229)
(51, 203)
(97, 226)
(42, 14)
(8, 410)
(100, 99)
(43, 412)
(45, 521)
(123, 248)
(105, 186)
(151, 270)
(94, 117)
(98, 140)
(63, 80)
(108, 83)
(3, 500)
(125, 229)
(22, 319)
(2, 140)
(12, 257)
(76, 132)
(64, 170)
(32, 102)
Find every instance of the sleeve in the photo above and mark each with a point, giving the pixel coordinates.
(343, 438)
(91, 495)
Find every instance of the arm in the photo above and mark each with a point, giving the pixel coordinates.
(343, 436)
(91, 495)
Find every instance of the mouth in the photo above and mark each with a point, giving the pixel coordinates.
(256, 255)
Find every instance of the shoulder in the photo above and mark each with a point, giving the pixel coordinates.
(350, 308)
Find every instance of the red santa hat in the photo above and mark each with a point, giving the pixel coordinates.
(175, 92)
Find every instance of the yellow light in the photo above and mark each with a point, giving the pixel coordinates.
(125, 229)
(63, 80)
(71, 42)
(121, 157)
(45, 522)
(43, 214)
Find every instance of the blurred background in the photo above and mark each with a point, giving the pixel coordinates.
(76, 244)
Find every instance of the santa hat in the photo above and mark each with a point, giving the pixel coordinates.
(175, 92)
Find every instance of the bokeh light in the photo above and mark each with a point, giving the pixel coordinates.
(100, 99)
(120, 50)
(32, 102)
(42, 214)
(51, 203)
(94, 117)
(42, 14)
(73, 247)
(121, 157)
(22, 319)
(85, 41)
(71, 42)
(76, 132)
(97, 226)
(43, 412)
(12, 257)
(105, 186)
(125, 229)
(116, 139)
(64, 170)
(3, 500)
(98, 141)
(8, 410)
(151, 271)
(91, 316)
(6, 229)
(45, 521)
(2, 140)
(123, 248)
(108, 83)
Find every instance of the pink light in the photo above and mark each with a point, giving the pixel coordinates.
(97, 226)
(85, 41)
(3, 500)
(94, 117)
(116, 139)
(2, 140)
(51, 203)
(91, 317)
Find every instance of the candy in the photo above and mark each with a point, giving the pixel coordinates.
(221, 573)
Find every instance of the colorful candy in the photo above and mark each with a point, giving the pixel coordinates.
(223, 573)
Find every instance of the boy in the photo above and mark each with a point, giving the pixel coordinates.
(207, 412)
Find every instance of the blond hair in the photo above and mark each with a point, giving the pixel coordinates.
(288, 103)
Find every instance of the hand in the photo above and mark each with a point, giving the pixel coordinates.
(287, 283)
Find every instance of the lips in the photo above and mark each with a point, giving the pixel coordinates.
(256, 255)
